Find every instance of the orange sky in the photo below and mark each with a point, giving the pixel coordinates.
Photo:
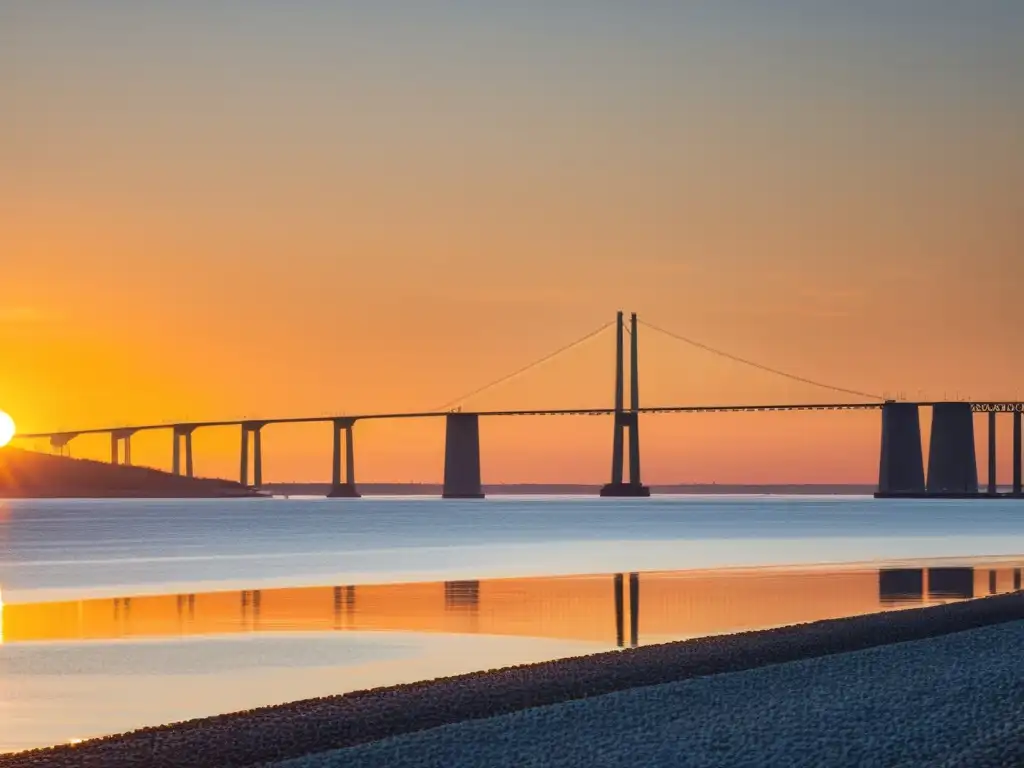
(218, 213)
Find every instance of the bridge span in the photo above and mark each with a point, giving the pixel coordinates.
(952, 467)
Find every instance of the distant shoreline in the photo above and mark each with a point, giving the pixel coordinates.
(552, 489)
(33, 475)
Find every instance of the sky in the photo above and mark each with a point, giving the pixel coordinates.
(255, 209)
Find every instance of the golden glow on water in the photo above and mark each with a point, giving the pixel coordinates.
(671, 605)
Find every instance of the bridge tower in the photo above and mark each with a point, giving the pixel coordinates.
(626, 419)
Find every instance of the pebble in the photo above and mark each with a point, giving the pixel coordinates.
(954, 701)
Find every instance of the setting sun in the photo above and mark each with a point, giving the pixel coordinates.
(7, 429)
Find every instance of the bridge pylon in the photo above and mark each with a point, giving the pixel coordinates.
(626, 420)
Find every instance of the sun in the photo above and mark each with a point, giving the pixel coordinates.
(7, 429)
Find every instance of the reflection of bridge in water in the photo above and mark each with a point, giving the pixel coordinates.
(620, 609)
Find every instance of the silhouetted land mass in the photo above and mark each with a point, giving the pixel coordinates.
(27, 474)
(431, 489)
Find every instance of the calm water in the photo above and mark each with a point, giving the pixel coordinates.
(121, 614)
(60, 549)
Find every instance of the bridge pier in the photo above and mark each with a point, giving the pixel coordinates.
(952, 463)
(993, 487)
(183, 434)
(117, 437)
(346, 489)
(901, 467)
(1017, 457)
(243, 473)
(462, 457)
(257, 457)
(255, 429)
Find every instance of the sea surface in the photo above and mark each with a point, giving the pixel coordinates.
(120, 614)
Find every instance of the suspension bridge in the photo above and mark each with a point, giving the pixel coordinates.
(952, 469)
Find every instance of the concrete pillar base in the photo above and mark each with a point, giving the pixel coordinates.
(625, 490)
(949, 495)
(344, 491)
(901, 465)
(1018, 486)
(952, 463)
(462, 457)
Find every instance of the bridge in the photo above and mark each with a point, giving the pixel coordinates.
(952, 467)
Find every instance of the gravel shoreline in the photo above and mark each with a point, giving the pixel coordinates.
(301, 728)
(957, 701)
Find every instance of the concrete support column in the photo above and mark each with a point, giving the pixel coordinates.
(1017, 458)
(462, 457)
(343, 488)
(115, 444)
(128, 450)
(257, 455)
(243, 475)
(901, 465)
(952, 463)
(189, 467)
(350, 457)
(176, 452)
(336, 456)
(637, 488)
(992, 485)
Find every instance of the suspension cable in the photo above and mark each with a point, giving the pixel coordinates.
(525, 368)
(759, 366)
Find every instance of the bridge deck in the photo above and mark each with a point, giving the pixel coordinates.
(978, 407)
